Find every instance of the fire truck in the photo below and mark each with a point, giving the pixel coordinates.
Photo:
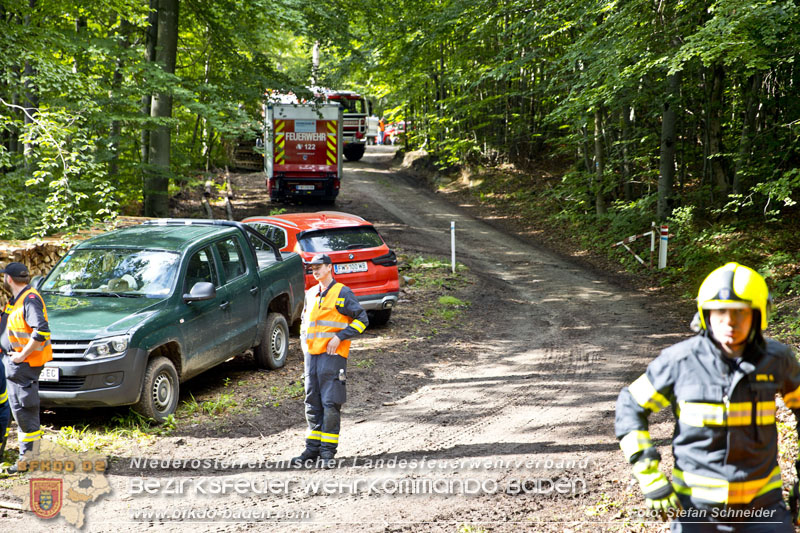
(354, 120)
(302, 143)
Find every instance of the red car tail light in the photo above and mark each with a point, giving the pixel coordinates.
(389, 259)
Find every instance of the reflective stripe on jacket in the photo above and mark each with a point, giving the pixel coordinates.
(19, 332)
(725, 441)
(325, 321)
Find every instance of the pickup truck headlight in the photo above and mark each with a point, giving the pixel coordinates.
(108, 347)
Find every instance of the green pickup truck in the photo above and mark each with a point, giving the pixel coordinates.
(136, 311)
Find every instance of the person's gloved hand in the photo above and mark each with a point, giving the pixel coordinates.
(656, 488)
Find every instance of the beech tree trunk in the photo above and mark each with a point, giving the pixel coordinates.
(750, 90)
(158, 170)
(627, 127)
(150, 56)
(719, 173)
(669, 128)
(599, 163)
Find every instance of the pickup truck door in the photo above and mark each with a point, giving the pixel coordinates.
(203, 324)
(241, 281)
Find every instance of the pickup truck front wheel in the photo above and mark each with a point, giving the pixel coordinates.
(274, 347)
(159, 391)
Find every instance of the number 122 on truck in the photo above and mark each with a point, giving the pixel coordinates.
(303, 146)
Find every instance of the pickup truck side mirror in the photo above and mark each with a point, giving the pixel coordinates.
(202, 290)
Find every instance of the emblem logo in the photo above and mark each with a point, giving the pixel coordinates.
(351, 256)
(724, 294)
(46, 497)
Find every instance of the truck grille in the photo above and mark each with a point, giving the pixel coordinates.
(69, 350)
(65, 383)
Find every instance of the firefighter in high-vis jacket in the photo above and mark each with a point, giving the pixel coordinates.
(721, 386)
(331, 317)
(25, 343)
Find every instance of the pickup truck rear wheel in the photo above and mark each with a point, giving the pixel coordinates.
(159, 390)
(274, 347)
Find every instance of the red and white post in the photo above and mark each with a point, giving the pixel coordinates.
(662, 247)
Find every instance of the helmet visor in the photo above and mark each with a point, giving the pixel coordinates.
(726, 304)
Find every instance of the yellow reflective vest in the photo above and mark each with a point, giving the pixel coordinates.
(325, 321)
(19, 332)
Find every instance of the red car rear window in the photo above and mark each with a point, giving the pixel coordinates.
(338, 239)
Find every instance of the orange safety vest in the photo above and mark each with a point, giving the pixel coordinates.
(19, 332)
(325, 321)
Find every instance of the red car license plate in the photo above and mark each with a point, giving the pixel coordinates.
(350, 268)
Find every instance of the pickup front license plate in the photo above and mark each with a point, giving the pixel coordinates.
(49, 374)
(305, 187)
(349, 268)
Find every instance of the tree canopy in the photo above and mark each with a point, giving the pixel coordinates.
(656, 109)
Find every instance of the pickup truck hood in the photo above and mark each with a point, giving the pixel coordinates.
(83, 318)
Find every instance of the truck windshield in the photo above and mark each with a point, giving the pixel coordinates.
(334, 240)
(353, 106)
(114, 272)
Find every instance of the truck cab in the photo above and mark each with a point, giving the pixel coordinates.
(355, 110)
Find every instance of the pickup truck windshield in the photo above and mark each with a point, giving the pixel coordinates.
(114, 272)
(337, 239)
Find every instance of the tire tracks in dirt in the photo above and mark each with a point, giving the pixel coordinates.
(545, 350)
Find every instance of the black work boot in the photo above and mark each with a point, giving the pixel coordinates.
(307, 455)
(326, 460)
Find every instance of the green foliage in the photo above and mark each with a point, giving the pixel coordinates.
(480, 83)
(494, 82)
(218, 405)
(115, 436)
(780, 189)
(295, 389)
(64, 164)
(71, 115)
(365, 363)
(449, 308)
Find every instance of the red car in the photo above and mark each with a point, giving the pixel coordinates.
(361, 259)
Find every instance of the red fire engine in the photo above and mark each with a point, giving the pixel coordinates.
(355, 110)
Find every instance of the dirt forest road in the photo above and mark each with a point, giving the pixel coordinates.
(504, 424)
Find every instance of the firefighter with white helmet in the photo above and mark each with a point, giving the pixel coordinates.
(721, 386)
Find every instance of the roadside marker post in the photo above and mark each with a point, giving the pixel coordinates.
(662, 247)
(453, 245)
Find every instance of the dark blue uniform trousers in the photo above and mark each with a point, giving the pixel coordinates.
(5, 411)
(325, 394)
(23, 398)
